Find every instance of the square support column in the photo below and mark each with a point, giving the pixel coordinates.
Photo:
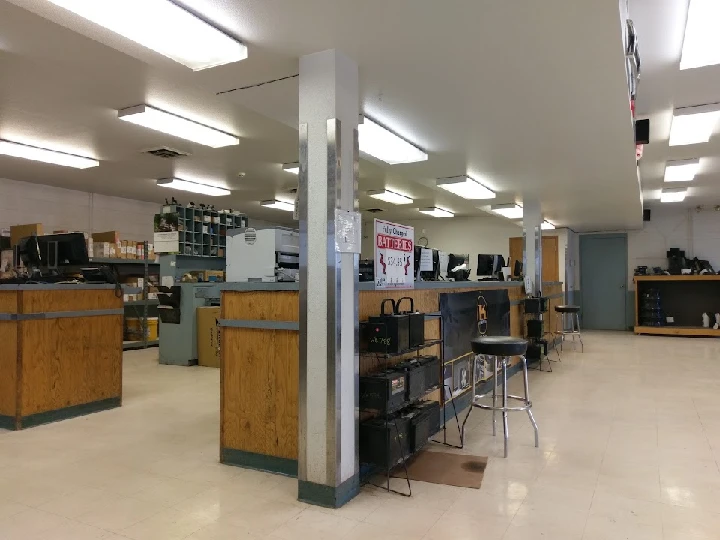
(532, 250)
(328, 466)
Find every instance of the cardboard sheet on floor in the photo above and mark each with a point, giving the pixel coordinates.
(208, 336)
(461, 470)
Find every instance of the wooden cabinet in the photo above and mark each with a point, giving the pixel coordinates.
(550, 256)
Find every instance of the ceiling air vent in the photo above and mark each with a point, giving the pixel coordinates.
(165, 152)
(374, 210)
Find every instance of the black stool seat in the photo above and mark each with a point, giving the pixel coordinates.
(499, 346)
(567, 309)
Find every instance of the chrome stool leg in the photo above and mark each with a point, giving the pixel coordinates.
(506, 434)
(577, 319)
(528, 403)
(494, 402)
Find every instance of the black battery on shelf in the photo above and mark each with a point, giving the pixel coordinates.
(388, 333)
(384, 442)
(385, 392)
(424, 423)
(432, 371)
(415, 372)
(416, 322)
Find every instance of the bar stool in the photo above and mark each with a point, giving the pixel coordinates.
(573, 313)
(500, 349)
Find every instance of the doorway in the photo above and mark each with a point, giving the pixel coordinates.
(603, 281)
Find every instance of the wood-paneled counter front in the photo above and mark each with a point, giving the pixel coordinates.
(259, 351)
(60, 352)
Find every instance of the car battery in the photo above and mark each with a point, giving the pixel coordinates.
(535, 305)
(415, 378)
(535, 329)
(432, 371)
(536, 349)
(416, 322)
(385, 392)
(424, 423)
(384, 442)
(388, 333)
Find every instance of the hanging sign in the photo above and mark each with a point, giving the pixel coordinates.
(167, 236)
(394, 256)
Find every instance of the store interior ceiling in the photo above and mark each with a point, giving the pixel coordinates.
(663, 87)
(525, 97)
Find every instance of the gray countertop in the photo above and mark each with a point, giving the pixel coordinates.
(59, 287)
(369, 286)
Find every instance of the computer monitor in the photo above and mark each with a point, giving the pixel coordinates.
(455, 261)
(518, 268)
(490, 265)
(67, 249)
(427, 275)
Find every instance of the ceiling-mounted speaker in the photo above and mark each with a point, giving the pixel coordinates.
(642, 131)
(646, 214)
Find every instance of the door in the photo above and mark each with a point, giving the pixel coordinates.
(550, 259)
(603, 281)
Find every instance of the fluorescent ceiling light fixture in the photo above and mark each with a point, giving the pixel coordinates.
(35, 153)
(465, 187)
(547, 226)
(291, 168)
(164, 27)
(701, 46)
(681, 171)
(383, 144)
(510, 211)
(673, 195)
(434, 211)
(172, 124)
(693, 125)
(278, 205)
(194, 187)
(390, 197)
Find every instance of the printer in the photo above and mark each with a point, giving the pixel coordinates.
(266, 255)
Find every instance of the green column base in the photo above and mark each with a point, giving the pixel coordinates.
(328, 496)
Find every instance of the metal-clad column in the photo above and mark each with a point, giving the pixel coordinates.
(532, 251)
(328, 470)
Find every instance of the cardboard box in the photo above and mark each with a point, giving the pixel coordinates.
(123, 250)
(104, 250)
(18, 232)
(109, 236)
(208, 336)
(213, 275)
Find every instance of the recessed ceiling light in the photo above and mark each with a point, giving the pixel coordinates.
(291, 168)
(673, 195)
(434, 211)
(681, 171)
(701, 46)
(164, 27)
(177, 126)
(35, 153)
(194, 187)
(390, 197)
(465, 187)
(278, 205)
(510, 211)
(383, 144)
(547, 226)
(693, 125)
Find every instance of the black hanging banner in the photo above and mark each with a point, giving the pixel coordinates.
(467, 315)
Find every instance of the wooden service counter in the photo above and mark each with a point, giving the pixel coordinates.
(60, 352)
(259, 360)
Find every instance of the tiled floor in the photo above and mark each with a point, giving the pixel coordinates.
(630, 445)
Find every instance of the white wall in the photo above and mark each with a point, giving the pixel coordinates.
(65, 209)
(474, 235)
(698, 233)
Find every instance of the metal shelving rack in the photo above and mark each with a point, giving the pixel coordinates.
(202, 232)
(387, 416)
(126, 267)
